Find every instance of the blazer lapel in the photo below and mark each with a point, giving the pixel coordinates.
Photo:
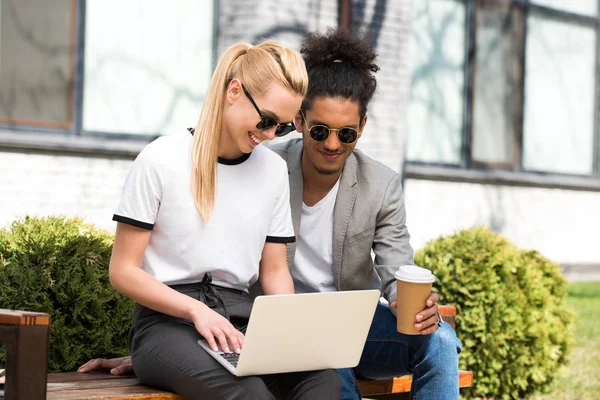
(344, 204)
(296, 192)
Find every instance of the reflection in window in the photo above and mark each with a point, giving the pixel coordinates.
(438, 56)
(585, 7)
(559, 96)
(497, 82)
(148, 73)
(36, 69)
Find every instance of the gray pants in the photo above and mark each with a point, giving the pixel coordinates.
(166, 355)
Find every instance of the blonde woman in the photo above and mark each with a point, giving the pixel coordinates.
(204, 214)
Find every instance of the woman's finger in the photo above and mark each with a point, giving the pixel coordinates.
(210, 339)
(234, 340)
(221, 339)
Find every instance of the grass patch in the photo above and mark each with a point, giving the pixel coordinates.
(580, 380)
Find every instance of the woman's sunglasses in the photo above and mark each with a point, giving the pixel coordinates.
(268, 122)
(320, 133)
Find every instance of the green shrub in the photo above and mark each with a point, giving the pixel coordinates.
(60, 266)
(513, 320)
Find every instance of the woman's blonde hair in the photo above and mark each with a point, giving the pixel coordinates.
(257, 67)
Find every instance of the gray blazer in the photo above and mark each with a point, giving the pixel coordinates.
(369, 215)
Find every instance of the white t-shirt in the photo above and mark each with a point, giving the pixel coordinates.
(251, 208)
(313, 262)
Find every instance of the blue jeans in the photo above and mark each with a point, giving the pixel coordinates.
(432, 359)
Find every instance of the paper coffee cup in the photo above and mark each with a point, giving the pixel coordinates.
(413, 290)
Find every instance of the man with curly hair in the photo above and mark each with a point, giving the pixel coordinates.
(345, 206)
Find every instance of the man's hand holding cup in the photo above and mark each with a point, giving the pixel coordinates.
(418, 313)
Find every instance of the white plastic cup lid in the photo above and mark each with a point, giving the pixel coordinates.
(414, 274)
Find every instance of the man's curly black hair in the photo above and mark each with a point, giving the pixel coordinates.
(339, 64)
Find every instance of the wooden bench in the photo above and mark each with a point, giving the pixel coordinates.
(25, 337)
(30, 384)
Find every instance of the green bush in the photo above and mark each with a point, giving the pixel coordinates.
(513, 320)
(60, 266)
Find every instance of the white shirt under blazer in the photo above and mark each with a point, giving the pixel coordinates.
(313, 263)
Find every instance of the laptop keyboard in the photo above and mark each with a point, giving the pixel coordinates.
(232, 358)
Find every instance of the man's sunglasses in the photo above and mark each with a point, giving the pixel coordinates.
(320, 133)
(268, 122)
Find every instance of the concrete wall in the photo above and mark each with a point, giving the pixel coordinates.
(562, 224)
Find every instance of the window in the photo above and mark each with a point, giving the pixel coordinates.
(37, 45)
(497, 80)
(136, 67)
(436, 109)
(522, 92)
(150, 70)
(560, 87)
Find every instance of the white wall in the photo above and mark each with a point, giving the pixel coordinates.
(39, 184)
(564, 225)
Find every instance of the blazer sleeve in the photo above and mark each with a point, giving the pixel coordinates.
(391, 241)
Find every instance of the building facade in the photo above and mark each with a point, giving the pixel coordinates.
(488, 107)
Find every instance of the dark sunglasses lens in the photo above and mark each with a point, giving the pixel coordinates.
(266, 123)
(283, 130)
(347, 135)
(319, 133)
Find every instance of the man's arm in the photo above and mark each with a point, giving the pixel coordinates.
(391, 241)
(392, 248)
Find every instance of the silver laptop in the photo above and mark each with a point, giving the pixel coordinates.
(303, 332)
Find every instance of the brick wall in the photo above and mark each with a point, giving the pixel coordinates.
(385, 23)
(388, 25)
(286, 21)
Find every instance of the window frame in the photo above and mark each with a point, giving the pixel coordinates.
(471, 170)
(519, 94)
(71, 137)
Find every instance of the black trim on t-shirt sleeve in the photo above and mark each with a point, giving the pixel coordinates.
(280, 239)
(133, 222)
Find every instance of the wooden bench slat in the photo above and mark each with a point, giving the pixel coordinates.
(375, 387)
(401, 384)
(118, 393)
(95, 384)
(16, 317)
(101, 385)
(64, 377)
(448, 314)
(446, 311)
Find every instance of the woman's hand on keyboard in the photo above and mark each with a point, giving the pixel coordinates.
(212, 325)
